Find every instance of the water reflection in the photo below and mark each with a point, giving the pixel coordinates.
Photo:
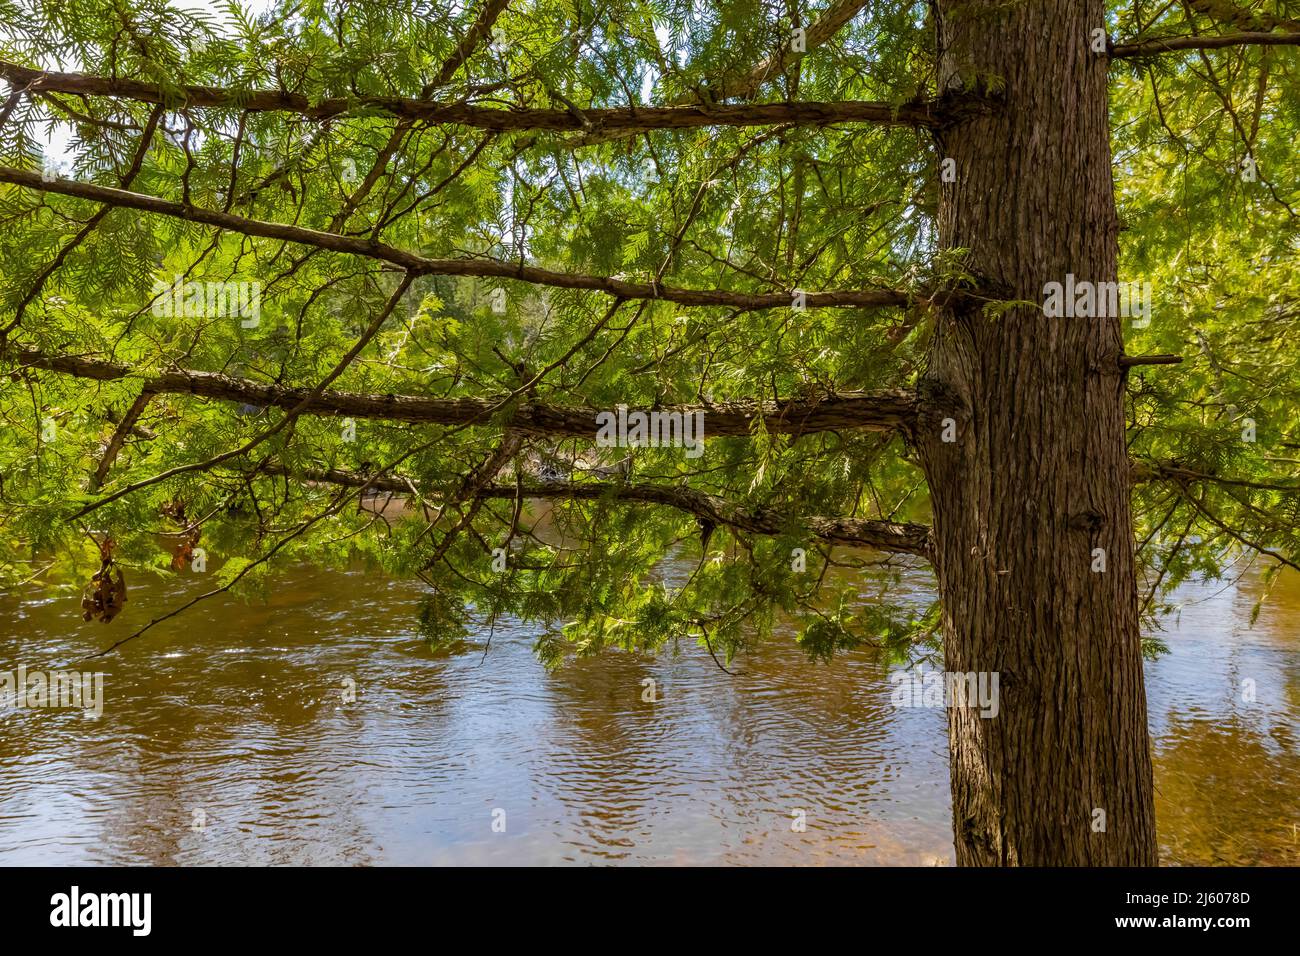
(1225, 720)
(234, 715)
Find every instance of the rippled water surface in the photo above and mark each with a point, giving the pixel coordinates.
(234, 714)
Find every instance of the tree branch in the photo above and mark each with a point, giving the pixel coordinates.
(146, 141)
(307, 397)
(481, 28)
(1209, 42)
(124, 428)
(1145, 471)
(826, 26)
(871, 411)
(889, 536)
(918, 113)
(1160, 358)
(420, 265)
(1236, 535)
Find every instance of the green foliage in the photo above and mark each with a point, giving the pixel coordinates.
(746, 209)
(1207, 192)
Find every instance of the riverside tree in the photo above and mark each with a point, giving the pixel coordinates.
(1004, 289)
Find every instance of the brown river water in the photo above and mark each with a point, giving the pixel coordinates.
(226, 737)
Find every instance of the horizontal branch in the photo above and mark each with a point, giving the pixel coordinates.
(901, 538)
(919, 113)
(420, 265)
(1142, 471)
(1209, 42)
(1159, 358)
(870, 411)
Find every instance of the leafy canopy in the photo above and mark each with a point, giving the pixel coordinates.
(767, 208)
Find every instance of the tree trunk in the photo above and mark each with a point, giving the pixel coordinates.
(1034, 475)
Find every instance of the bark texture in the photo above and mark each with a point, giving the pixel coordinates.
(919, 113)
(1037, 477)
(901, 538)
(887, 410)
(482, 268)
